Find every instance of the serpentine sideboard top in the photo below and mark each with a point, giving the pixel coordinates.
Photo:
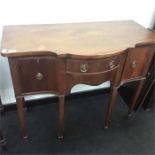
(84, 39)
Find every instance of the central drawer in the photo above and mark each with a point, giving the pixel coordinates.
(91, 66)
(93, 71)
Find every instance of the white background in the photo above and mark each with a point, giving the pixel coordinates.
(14, 12)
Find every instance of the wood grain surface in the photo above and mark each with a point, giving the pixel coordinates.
(84, 39)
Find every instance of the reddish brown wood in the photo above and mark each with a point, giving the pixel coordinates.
(135, 97)
(89, 53)
(61, 74)
(61, 117)
(142, 57)
(83, 39)
(98, 71)
(147, 94)
(28, 68)
(110, 107)
(93, 66)
(114, 86)
(21, 116)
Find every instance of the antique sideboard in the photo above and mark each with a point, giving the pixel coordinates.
(53, 58)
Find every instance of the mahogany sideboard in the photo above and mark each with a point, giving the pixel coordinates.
(53, 58)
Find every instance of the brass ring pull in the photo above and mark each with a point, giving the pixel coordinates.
(134, 64)
(39, 76)
(111, 64)
(84, 68)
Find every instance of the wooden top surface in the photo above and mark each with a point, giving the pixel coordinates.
(85, 39)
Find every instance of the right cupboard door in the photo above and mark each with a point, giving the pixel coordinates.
(137, 63)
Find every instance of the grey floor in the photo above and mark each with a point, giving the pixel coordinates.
(83, 129)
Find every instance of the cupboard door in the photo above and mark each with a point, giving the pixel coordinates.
(137, 63)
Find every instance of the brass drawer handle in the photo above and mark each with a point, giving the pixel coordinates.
(39, 76)
(134, 64)
(111, 64)
(84, 68)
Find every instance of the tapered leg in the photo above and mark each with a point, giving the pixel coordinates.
(61, 117)
(110, 107)
(21, 116)
(135, 97)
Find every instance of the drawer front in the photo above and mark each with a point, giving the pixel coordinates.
(137, 63)
(96, 72)
(91, 66)
(89, 79)
(36, 74)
